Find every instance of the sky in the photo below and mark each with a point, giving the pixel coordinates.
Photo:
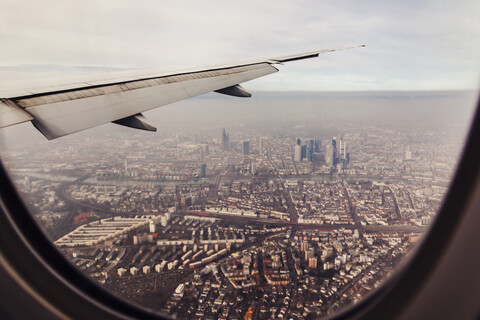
(410, 45)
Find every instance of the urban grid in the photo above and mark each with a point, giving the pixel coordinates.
(238, 223)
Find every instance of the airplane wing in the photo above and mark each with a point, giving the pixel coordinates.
(61, 110)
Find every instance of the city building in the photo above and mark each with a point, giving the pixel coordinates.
(297, 157)
(121, 272)
(304, 152)
(408, 153)
(246, 147)
(164, 220)
(104, 188)
(152, 226)
(329, 155)
(261, 147)
(225, 141)
(254, 168)
(310, 154)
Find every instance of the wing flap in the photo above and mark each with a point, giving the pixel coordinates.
(11, 114)
(236, 91)
(137, 121)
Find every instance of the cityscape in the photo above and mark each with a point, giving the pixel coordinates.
(251, 220)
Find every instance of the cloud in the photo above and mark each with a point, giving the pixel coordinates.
(410, 44)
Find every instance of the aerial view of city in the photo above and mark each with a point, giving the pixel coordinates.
(293, 206)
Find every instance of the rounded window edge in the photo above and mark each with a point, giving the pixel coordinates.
(40, 269)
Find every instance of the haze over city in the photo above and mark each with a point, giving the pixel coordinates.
(291, 204)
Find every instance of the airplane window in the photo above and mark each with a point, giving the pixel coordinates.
(294, 203)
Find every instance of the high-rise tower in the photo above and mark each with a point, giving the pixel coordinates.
(225, 143)
(297, 156)
(246, 147)
(329, 155)
(304, 152)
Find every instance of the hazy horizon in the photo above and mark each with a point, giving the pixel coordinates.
(284, 110)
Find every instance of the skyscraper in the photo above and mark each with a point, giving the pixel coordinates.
(246, 147)
(329, 155)
(225, 144)
(304, 152)
(318, 144)
(335, 150)
(261, 145)
(311, 143)
(203, 169)
(254, 168)
(408, 153)
(342, 150)
(310, 154)
(297, 157)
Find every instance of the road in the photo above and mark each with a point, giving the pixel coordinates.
(61, 191)
(292, 210)
(353, 211)
(395, 203)
(278, 223)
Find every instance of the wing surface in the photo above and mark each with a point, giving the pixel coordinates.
(61, 110)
